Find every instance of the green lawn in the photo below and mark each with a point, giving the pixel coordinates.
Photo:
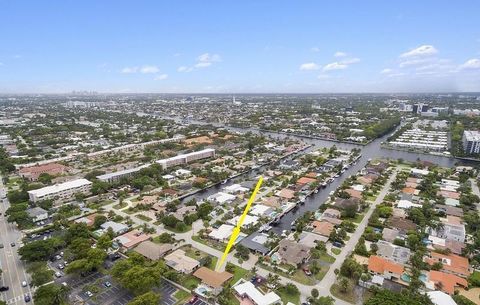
(189, 281)
(295, 299)
(358, 218)
(239, 273)
(348, 296)
(143, 217)
(182, 296)
(336, 251)
(198, 255)
(327, 258)
(214, 245)
(187, 228)
(298, 275)
(120, 206)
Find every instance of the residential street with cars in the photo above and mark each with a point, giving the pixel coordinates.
(13, 269)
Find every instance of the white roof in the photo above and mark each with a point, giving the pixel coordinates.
(248, 220)
(116, 227)
(259, 209)
(358, 187)
(221, 197)
(248, 289)
(235, 188)
(406, 204)
(377, 279)
(441, 298)
(223, 232)
(419, 171)
(122, 172)
(60, 187)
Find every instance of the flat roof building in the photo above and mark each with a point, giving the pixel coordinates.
(60, 192)
(186, 158)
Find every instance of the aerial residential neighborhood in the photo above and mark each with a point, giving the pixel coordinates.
(148, 217)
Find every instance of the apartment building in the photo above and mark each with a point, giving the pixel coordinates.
(187, 158)
(61, 192)
(471, 141)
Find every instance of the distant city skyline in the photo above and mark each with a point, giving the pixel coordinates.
(240, 47)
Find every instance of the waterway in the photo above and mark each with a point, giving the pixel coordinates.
(373, 150)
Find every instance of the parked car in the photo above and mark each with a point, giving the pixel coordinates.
(337, 244)
(12, 244)
(58, 274)
(107, 284)
(89, 293)
(24, 284)
(27, 298)
(193, 299)
(307, 271)
(1, 246)
(4, 288)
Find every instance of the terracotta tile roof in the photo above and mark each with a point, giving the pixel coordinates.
(451, 263)
(305, 180)
(379, 265)
(409, 190)
(354, 193)
(212, 278)
(286, 193)
(448, 194)
(323, 227)
(447, 282)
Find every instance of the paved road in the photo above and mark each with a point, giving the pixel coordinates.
(329, 279)
(13, 268)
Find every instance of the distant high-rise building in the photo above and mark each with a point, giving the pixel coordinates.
(471, 141)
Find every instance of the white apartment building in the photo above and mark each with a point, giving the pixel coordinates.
(61, 192)
(187, 158)
(422, 139)
(471, 141)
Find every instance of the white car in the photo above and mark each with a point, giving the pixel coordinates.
(89, 294)
(24, 284)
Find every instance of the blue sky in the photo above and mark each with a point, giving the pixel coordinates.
(239, 46)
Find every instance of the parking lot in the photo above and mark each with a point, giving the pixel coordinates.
(167, 291)
(113, 295)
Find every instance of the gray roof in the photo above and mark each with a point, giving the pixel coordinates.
(35, 212)
(256, 242)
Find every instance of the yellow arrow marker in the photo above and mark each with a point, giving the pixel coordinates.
(236, 230)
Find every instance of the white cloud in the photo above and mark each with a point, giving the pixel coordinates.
(341, 65)
(129, 70)
(414, 62)
(203, 61)
(323, 76)
(335, 66)
(350, 61)
(161, 77)
(146, 69)
(184, 69)
(340, 54)
(207, 57)
(149, 69)
(473, 63)
(203, 64)
(424, 50)
(309, 66)
(386, 71)
(315, 49)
